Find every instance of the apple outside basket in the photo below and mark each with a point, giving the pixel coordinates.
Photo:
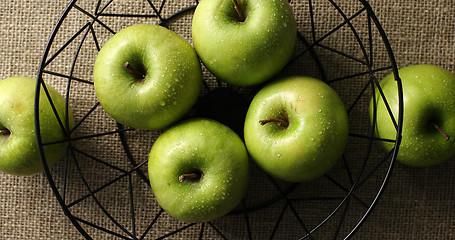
(102, 184)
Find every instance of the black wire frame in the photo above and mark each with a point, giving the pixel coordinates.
(355, 183)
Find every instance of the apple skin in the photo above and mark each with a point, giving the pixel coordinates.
(172, 82)
(428, 97)
(249, 52)
(316, 135)
(207, 147)
(19, 151)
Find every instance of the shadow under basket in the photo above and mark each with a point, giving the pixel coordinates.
(102, 183)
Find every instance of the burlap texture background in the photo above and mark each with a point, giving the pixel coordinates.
(417, 203)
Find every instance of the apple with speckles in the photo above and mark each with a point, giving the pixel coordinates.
(244, 42)
(198, 170)
(296, 128)
(147, 77)
(18, 148)
(428, 117)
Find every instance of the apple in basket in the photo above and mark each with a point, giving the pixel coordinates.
(198, 170)
(296, 128)
(147, 76)
(428, 116)
(244, 42)
(18, 147)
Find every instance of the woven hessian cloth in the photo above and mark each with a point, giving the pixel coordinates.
(418, 203)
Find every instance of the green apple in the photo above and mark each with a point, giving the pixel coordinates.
(296, 128)
(428, 116)
(198, 170)
(18, 148)
(147, 76)
(247, 44)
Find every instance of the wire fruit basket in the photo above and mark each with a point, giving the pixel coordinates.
(102, 183)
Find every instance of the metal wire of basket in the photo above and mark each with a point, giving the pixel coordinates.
(347, 193)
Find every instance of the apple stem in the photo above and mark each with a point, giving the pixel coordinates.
(277, 120)
(189, 176)
(447, 137)
(4, 132)
(239, 11)
(138, 73)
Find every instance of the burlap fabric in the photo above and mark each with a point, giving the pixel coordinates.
(417, 203)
